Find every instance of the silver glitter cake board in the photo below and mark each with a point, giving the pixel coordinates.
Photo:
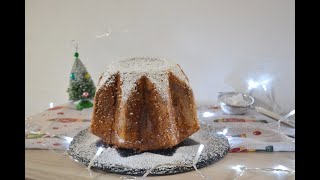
(85, 145)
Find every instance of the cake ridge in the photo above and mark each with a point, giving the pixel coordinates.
(132, 69)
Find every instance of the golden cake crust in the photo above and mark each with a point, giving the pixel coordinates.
(147, 119)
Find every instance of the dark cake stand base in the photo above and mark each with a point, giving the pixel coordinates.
(128, 162)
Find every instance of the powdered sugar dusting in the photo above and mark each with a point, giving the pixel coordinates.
(106, 80)
(132, 69)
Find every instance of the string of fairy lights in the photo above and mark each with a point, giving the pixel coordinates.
(239, 168)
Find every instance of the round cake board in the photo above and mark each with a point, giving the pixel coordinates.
(85, 145)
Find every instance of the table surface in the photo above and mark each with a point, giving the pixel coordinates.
(48, 164)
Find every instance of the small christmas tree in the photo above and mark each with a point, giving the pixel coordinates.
(81, 86)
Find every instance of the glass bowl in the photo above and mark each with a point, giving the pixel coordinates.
(224, 99)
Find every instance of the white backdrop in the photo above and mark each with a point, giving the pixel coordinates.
(220, 44)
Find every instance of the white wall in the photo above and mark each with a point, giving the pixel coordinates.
(220, 44)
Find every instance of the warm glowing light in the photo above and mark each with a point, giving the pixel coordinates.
(195, 160)
(237, 167)
(207, 114)
(100, 149)
(252, 84)
(281, 167)
(68, 139)
(255, 84)
(264, 87)
(51, 105)
(224, 132)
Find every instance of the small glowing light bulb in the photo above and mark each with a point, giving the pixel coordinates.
(224, 132)
(264, 87)
(281, 167)
(237, 167)
(68, 139)
(252, 84)
(207, 114)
